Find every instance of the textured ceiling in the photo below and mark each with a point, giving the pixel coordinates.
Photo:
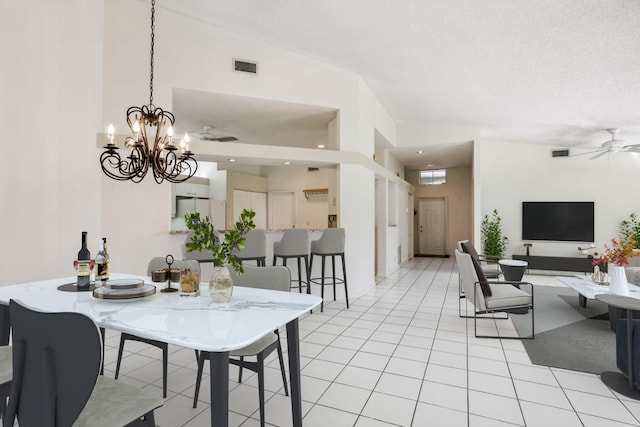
(548, 71)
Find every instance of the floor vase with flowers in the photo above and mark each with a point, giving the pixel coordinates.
(618, 280)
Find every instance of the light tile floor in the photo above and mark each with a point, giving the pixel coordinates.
(400, 356)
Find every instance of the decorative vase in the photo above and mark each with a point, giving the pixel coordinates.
(220, 285)
(618, 280)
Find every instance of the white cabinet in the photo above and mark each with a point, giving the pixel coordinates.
(251, 200)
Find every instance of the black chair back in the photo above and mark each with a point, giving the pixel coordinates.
(56, 362)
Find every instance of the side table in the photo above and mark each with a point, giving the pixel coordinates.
(513, 269)
(615, 380)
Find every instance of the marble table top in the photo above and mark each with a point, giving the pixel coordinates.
(192, 322)
(586, 287)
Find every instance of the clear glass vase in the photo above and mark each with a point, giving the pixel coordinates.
(220, 285)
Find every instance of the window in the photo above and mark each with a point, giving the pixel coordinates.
(438, 176)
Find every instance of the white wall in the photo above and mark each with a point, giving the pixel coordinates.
(194, 55)
(50, 109)
(506, 174)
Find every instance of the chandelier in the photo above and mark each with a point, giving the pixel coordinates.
(146, 123)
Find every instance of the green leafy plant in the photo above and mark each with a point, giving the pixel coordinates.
(206, 239)
(630, 229)
(494, 244)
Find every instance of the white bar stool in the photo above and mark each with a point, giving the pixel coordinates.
(255, 247)
(330, 244)
(294, 244)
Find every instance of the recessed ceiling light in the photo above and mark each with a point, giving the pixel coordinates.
(287, 163)
(430, 165)
(232, 160)
(420, 152)
(320, 145)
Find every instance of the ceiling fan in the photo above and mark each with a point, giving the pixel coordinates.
(612, 146)
(206, 134)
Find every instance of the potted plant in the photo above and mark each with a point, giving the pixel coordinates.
(222, 248)
(630, 229)
(494, 244)
(617, 256)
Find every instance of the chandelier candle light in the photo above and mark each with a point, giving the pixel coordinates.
(147, 122)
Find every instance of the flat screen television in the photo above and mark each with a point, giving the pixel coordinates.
(558, 221)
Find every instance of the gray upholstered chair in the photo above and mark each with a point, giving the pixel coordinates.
(255, 247)
(56, 381)
(201, 256)
(276, 278)
(488, 297)
(156, 263)
(330, 244)
(489, 267)
(294, 244)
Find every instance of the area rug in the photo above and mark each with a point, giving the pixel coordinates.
(569, 336)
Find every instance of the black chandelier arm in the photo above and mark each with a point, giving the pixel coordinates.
(110, 161)
(172, 168)
(134, 169)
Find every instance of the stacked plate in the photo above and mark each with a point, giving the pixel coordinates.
(124, 289)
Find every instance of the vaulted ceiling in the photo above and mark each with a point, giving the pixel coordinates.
(556, 72)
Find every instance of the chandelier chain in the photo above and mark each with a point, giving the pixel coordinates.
(153, 27)
(150, 147)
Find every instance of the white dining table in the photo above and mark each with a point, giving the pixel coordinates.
(191, 322)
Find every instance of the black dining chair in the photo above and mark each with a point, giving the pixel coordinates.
(156, 263)
(56, 381)
(275, 278)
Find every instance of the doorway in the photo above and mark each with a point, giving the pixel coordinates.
(432, 226)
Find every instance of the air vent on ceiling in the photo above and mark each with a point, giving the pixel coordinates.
(559, 153)
(245, 66)
(312, 169)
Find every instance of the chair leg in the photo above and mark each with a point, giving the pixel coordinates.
(308, 271)
(165, 357)
(300, 275)
(120, 350)
(322, 263)
(333, 271)
(260, 369)
(282, 371)
(203, 356)
(240, 370)
(344, 277)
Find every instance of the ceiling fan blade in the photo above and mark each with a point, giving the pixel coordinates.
(598, 155)
(584, 154)
(224, 139)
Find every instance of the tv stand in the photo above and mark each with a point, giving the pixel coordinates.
(575, 264)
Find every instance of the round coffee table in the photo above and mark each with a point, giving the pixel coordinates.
(513, 269)
(615, 380)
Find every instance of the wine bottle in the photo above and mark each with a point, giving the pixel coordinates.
(84, 264)
(106, 254)
(101, 264)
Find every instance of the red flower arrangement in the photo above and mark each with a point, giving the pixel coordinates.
(618, 253)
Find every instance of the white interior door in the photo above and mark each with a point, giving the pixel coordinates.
(432, 226)
(282, 210)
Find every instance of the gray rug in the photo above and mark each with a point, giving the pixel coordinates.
(567, 335)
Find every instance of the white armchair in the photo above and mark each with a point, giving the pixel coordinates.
(493, 296)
